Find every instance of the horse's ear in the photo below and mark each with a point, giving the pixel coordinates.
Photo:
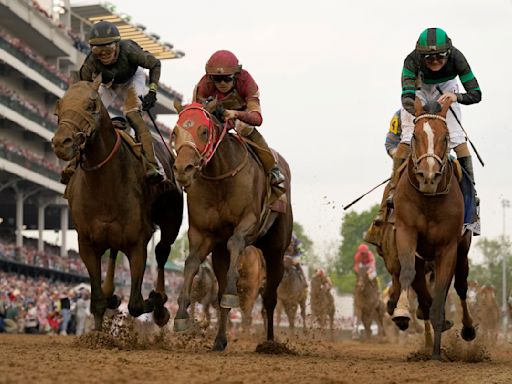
(418, 107)
(177, 105)
(74, 77)
(445, 106)
(97, 81)
(56, 111)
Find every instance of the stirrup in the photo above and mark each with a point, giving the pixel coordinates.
(277, 178)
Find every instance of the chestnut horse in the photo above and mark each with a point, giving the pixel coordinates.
(227, 190)
(368, 303)
(292, 293)
(113, 206)
(429, 215)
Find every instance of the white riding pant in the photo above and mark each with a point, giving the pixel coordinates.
(120, 92)
(429, 92)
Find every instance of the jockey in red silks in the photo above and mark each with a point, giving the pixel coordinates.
(232, 89)
(364, 258)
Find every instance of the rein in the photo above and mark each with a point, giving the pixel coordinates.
(211, 147)
(442, 161)
(114, 150)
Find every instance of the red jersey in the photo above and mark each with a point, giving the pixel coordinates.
(367, 260)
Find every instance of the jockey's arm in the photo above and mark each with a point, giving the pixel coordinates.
(473, 93)
(146, 60)
(87, 68)
(409, 74)
(252, 114)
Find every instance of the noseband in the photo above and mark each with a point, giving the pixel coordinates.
(84, 128)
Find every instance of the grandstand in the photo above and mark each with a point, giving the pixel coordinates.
(41, 43)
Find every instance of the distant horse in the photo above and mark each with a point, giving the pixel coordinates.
(112, 204)
(322, 301)
(291, 294)
(368, 302)
(488, 313)
(429, 212)
(204, 291)
(227, 207)
(250, 283)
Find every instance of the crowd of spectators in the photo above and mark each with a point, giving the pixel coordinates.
(78, 43)
(42, 306)
(19, 49)
(15, 152)
(27, 108)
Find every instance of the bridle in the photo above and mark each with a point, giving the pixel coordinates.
(84, 129)
(212, 143)
(442, 161)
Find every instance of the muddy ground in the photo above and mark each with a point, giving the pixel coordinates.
(153, 356)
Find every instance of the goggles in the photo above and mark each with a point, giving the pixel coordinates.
(222, 78)
(436, 56)
(103, 50)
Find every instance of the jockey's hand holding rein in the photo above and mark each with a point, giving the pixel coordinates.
(447, 96)
(230, 114)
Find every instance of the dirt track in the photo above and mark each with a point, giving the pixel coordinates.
(186, 359)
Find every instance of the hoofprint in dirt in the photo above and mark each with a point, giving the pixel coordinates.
(168, 357)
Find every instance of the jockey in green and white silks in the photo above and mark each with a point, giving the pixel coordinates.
(430, 73)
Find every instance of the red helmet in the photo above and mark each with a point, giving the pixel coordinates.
(222, 63)
(362, 248)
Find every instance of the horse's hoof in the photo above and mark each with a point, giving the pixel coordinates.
(402, 322)
(149, 306)
(181, 325)
(113, 302)
(448, 324)
(468, 333)
(158, 298)
(161, 316)
(229, 301)
(219, 345)
(437, 356)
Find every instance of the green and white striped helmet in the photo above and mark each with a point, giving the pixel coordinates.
(433, 41)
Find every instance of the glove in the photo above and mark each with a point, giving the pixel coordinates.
(106, 76)
(149, 101)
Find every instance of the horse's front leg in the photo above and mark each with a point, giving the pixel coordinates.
(444, 270)
(236, 245)
(158, 297)
(220, 267)
(92, 260)
(113, 301)
(406, 240)
(200, 246)
(137, 257)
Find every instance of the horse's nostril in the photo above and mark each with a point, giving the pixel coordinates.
(189, 168)
(67, 142)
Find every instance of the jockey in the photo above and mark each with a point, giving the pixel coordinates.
(294, 253)
(233, 88)
(433, 66)
(121, 64)
(364, 258)
(326, 280)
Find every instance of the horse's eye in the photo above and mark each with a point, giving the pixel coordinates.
(92, 105)
(202, 133)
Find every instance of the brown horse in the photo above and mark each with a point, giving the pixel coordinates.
(250, 283)
(488, 313)
(112, 204)
(368, 302)
(227, 190)
(291, 294)
(204, 291)
(429, 213)
(322, 301)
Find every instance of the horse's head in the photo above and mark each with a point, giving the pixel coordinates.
(429, 144)
(78, 113)
(194, 141)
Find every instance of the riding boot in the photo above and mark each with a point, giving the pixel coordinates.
(152, 171)
(466, 162)
(69, 171)
(267, 159)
